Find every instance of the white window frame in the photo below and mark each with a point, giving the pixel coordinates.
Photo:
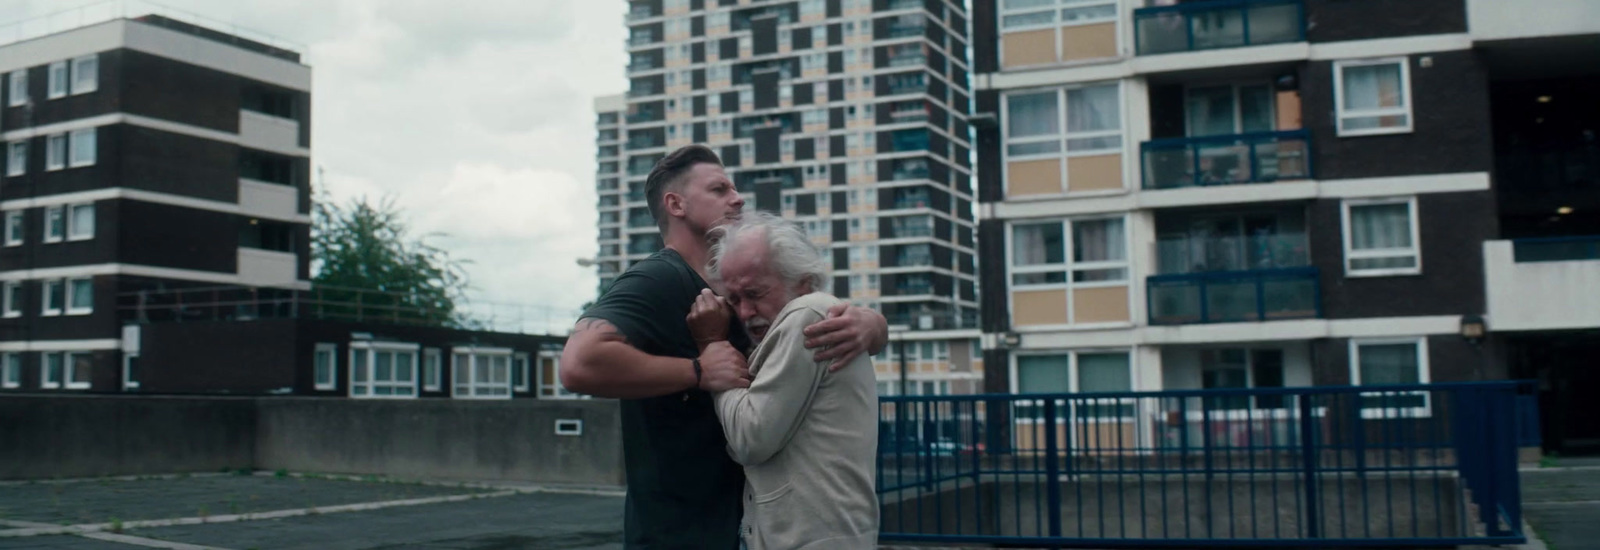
(1341, 114)
(69, 293)
(77, 137)
(18, 83)
(1347, 234)
(58, 80)
(11, 297)
(17, 158)
(67, 371)
(75, 232)
(1421, 344)
(1068, 265)
(1062, 136)
(464, 376)
(85, 80)
(328, 380)
(14, 227)
(1073, 385)
(432, 367)
(55, 152)
(52, 213)
(370, 350)
(10, 370)
(523, 368)
(44, 298)
(129, 380)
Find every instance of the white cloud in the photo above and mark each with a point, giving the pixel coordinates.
(474, 114)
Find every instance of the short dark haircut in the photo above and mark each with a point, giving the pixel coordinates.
(668, 175)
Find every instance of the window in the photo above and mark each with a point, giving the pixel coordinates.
(1092, 118)
(1237, 368)
(55, 297)
(57, 79)
(11, 299)
(80, 296)
(1076, 372)
(976, 346)
(1018, 15)
(325, 363)
(1039, 253)
(383, 370)
(70, 370)
(550, 378)
(10, 370)
(19, 88)
(1372, 96)
(519, 372)
(55, 152)
(1380, 237)
(1396, 361)
(80, 222)
(16, 158)
(83, 148)
(55, 225)
(481, 373)
(14, 228)
(85, 74)
(1228, 109)
(431, 367)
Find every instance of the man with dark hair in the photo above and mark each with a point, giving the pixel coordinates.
(634, 344)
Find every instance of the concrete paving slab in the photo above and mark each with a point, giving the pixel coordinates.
(101, 501)
(1562, 505)
(63, 542)
(541, 520)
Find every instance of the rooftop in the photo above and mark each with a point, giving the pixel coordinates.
(151, 14)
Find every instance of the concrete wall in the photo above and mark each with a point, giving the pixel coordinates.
(481, 440)
(1540, 295)
(1499, 20)
(83, 436)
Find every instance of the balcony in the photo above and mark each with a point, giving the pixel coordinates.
(1262, 157)
(1218, 24)
(641, 12)
(1234, 296)
(643, 39)
(903, 31)
(1543, 284)
(644, 143)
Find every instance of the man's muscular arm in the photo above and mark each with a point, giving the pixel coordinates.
(599, 361)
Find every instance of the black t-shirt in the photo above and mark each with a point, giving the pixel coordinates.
(683, 490)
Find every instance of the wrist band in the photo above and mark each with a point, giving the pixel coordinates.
(697, 372)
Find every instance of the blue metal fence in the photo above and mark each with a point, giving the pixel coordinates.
(1217, 24)
(1234, 296)
(1413, 465)
(1260, 157)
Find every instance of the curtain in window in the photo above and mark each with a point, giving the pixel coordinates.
(1038, 244)
(1033, 116)
(1093, 109)
(1043, 374)
(82, 294)
(1372, 87)
(83, 220)
(1104, 372)
(1098, 241)
(1389, 364)
(1380, 226)
(1210, 111)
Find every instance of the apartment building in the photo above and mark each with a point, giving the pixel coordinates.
(1225, 194)
(848, 117)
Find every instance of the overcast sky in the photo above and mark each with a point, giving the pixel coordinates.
(475, 115)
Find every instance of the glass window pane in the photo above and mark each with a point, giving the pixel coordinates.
(82, 294)
(384, 370)
(53, 368)
(1104, 372)
(83, 220)
(402, 366)
(1255, 109)
(1038, 244)
(1373, 87)
(1388, 364)
(1210, 111)
(1033, 115)
(1043, 374)
(55, 295)
(358, 366)
(1093, 109)
(1098, 240)
(1380, 226)
(1028, 19)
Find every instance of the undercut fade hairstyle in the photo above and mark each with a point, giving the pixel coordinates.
(789, 250)
(667, 175)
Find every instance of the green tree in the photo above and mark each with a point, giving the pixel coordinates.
(369, 267)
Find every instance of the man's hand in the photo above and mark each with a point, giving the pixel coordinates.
(722, 368)
(708, 319)
(848, 332)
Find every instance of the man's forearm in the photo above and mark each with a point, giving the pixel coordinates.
(600, 362)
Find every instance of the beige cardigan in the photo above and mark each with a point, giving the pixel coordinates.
(807, 439)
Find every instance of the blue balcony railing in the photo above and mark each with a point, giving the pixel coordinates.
(1218, 24)
(1261, 157)
(1234, 296)
(1556, 249)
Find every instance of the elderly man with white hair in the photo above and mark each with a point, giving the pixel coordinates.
(807, 437)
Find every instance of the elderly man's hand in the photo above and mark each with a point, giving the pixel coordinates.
(848, 332)
(708, 319)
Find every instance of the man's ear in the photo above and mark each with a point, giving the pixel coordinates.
(672, 203)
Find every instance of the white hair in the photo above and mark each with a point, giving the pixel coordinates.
(789, 251)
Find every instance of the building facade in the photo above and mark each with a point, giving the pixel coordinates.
(848, 117)
(1187, 195)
